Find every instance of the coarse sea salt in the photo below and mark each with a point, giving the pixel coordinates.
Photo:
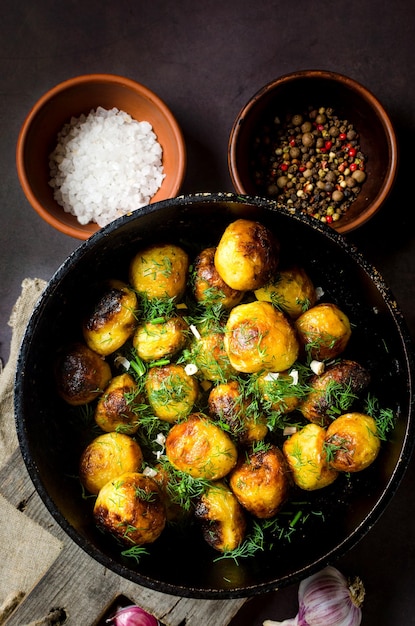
(105, 165)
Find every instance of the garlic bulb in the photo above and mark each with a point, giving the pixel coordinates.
(326, 598)
(132, 616)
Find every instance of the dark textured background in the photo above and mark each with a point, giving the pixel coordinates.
(206, 60)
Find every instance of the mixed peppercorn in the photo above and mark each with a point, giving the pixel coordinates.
(310, 162)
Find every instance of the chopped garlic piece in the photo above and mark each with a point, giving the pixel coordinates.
(191, 369)
(294, 376)
(271, 376)
(149, 471)
(160, 439)
(122, 362)
(289, 430)
(317, 367)
(195, 331)
(319, 293)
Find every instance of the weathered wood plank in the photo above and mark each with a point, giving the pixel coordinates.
(81, 588)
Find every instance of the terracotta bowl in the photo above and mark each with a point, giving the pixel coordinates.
(293, 93)
(52, 434)
(38, 136)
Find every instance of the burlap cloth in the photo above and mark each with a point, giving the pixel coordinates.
(26, 550)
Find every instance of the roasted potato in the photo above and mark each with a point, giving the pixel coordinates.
(208, 286)
(112, 319)
(160, 271)
(291, 290)
(117, 408)
(175, 510)
(247, 255)
(154, 341)
(222, 518)
(333, 392)
(171, 392)
(81, 374)
(131, 509)
(307, 459)
(210, 356)
(200, 448)
(227, 404)
(352, 442)
(260, 481)
(258, 337)
(106, 457)
(324, 331)
(280, 391)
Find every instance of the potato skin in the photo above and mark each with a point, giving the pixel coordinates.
(112, 319)
(247, 255)
(261, 482)
(228, 405)
(81, 374)
(115, 408)
(222, 518)
(200, 448)
(171, 392)
(346, 374)
(160, 271)
(305, 455)
(155, 341)
(208, 285)
(279, 392)
(354, 442)
(291, 290)
(106, 457)
(210, 356)
(324, 330)
(258, 337)
(131, 509)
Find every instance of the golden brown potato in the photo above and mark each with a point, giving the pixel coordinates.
(208, 286)
(131, 509)
(261, 482)
(175, 512)
(228, 405)
(324, 331)
(210, 356)
(223, 519)
(334, 390)
(247, 255)
(198, 447)
(306, 456)
(112, 319)
(290, 290)
(115, 408)
(258, 337)
(280, 391)
(155, 341)
(160, 271)
(352, 442)
(171, 392)
(107, 457)
(81, 374)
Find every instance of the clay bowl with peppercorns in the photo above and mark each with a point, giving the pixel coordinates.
(316, 142)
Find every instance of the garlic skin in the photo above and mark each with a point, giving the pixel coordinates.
(132, 616)
(326, 598)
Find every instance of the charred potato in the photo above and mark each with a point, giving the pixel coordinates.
(247, 255)
(228, 405)
(198, 447)
(307, 458)
(258, 337)
(81, 374)
(335, 389)
(210, 356)
(261, 482)
(279, 391)
(131, 509)
(160, 271)
(324, 331)
(115, 408)
(154, 341)
(208, 286)
(290, 290)
(171, 392)
(352, 442)
(107, 457)
(222, 518)
(112, 319)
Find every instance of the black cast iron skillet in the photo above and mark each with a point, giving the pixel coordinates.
(184, 565)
